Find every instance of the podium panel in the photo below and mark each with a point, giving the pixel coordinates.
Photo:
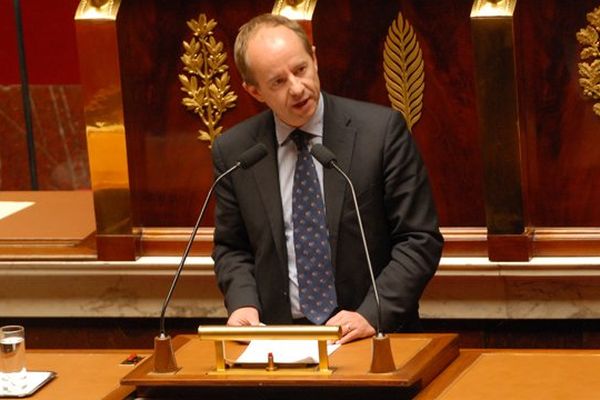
(419, 358)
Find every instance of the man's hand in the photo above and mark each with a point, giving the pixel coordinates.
(354, 326)
(245, 316)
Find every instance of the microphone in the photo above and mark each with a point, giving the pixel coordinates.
(327, 158)
(382, 354)
(164, 358)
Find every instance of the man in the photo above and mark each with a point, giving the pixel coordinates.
(256, 235)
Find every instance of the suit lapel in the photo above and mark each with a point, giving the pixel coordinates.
(338, 136)
(267, 181)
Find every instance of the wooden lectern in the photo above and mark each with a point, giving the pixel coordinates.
(419, 359)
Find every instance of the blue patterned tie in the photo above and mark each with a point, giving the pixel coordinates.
(311, 240)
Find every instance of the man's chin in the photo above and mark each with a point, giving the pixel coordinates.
(297, 119)
(304, 113)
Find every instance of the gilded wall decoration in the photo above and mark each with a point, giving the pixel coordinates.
(206, 80)
(589, 67)
(493, 8)
(97, 9)
(295, 9)
(403, 68)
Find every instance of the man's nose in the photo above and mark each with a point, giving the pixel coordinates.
(295, 86)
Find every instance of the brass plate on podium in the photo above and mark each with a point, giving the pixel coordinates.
(303, 369)
(419, 358)
(319, 335)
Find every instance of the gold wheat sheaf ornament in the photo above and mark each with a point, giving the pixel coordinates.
(403, 69)
(207, 81)
(589, 68)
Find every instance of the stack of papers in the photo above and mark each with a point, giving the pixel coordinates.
(284, 352)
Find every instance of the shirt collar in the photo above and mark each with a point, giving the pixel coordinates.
(314, 125)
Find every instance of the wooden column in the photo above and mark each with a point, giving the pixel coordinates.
(96, 30)
(500, 125)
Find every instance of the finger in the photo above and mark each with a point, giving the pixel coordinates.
(350, 331)
(335, 320)
(348, 327)
(350, 336)
(237, 322)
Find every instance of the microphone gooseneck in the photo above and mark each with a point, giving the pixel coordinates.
(327, 158)
(246, 160)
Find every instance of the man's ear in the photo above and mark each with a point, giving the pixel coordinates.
(314, 57)
(253, 91)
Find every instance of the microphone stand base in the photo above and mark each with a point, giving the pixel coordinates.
(382, 360)
(164, 357)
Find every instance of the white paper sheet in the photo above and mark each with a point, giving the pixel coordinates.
(34, 380)
(284, 351)
(10, 207)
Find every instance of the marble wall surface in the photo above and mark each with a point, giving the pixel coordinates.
(463, 288)
(59, 134)
(109, 289)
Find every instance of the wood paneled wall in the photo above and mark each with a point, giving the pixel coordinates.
(564, 133)
(170, 169)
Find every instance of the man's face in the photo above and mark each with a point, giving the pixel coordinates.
(285, 74)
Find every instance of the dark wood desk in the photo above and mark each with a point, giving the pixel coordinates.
(96, 374)
(474, 375)
(418, 357)
(57, 225)
(81, 374)
(518, 375)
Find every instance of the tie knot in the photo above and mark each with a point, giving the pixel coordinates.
(300, 138)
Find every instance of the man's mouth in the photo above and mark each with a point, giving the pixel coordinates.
(301, 104)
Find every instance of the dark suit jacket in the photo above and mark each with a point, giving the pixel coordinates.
(374, 147)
